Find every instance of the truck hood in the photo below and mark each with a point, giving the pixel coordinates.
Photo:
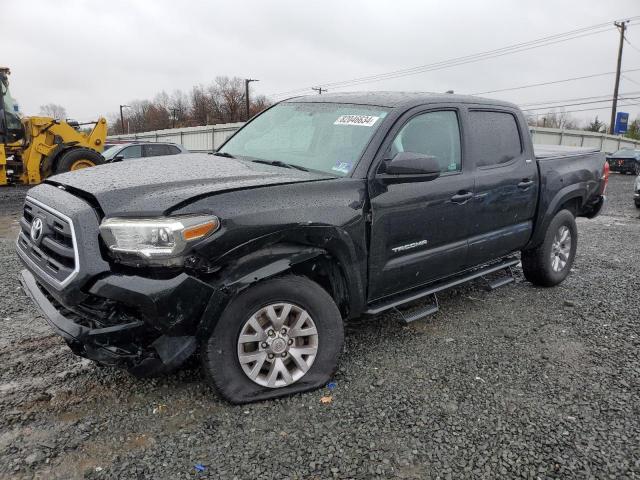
(154, 186)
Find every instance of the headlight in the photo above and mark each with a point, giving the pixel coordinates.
(638, 183)
(159, 241)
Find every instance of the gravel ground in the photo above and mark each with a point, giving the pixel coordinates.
(519, 382)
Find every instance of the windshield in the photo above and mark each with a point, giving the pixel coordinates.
(326, 137)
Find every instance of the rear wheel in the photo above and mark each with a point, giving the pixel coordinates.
(549, 263)
(279, 337)
(77, 159)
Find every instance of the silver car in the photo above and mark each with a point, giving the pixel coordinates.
(125, 151)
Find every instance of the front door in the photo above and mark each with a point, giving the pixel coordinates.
(419, 229)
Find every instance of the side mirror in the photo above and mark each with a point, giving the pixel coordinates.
(117, 158)
(410, 167)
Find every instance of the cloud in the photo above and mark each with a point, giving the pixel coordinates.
(90, 57)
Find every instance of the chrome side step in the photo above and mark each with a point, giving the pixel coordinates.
(504, 264)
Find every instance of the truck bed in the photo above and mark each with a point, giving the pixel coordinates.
(572, 178)
(553, 151)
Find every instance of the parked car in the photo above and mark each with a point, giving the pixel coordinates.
(636, 192)
(626, 160)
(319, 210)
(125, 151)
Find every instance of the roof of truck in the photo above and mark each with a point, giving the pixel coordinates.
(396, 99)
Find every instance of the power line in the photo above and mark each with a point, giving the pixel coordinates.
(419, 69)
(515, 48)
(605, 97)
(441, 65)
(631, 44)
(576, 104)
(630, 80)
(552, 82)
(584, 109)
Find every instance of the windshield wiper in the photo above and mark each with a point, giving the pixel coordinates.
(224, 154)
(278, 163)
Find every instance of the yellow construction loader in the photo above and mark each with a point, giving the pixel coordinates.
(32, 148)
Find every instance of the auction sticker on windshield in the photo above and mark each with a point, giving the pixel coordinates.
(360, 120)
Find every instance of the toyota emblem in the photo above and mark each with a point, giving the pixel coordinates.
(36, 229)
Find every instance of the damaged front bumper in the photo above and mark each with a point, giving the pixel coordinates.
(147, 326)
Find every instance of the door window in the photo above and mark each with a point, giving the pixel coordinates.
(134, 151)
(435, 134)
(494, 137)
(173, 150)
(154, 150)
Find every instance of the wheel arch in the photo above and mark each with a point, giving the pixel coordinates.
(329, 266)
(571, 198)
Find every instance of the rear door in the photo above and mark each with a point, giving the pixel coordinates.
(419, 229)
(506, 183)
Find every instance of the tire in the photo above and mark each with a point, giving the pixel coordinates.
(78, 158)
(637, 204)
(221, 351)
(538, 264)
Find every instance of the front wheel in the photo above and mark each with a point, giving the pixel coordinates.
(77, 159)
(549, 263)
(278, 337)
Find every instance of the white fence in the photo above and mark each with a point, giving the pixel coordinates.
(209, 137)
(195, 139)
(580, 138)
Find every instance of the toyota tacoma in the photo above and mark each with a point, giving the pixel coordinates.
(319, 210)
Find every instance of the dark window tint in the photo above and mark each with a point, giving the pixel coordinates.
(435, 134)
(134, 151)
(494, 138)
(173, 149)
(153, 150)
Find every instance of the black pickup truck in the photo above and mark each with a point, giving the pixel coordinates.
(319, 210)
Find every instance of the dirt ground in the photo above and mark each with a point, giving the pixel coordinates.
(520, 382)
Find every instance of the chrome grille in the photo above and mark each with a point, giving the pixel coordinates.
(53, 250)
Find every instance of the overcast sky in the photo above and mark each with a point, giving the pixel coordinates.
(92, 56)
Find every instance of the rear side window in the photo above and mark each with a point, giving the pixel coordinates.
(153, 150)
(494, 137)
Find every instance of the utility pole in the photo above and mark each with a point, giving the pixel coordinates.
(122, 117)
(621, 27)
(319, 90)
(247, 81)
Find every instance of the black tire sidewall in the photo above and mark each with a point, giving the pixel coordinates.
(562, 218)
(68, 158)
(219, 351)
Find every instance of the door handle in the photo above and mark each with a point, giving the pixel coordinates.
(525, 183)
(461, 197)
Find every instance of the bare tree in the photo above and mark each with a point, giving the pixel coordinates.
(179, 105)
(53, 110)
(222, 101)
(553, 119)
